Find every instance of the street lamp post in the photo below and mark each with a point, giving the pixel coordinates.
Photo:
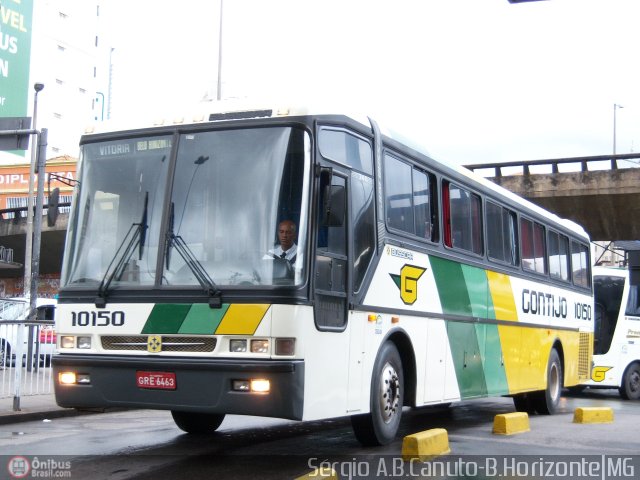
(614, 163)
(29, 241)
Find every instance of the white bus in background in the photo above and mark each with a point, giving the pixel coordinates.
(616, 359)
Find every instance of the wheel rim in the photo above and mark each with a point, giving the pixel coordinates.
(634, 381)
(389, 392)
(554, 382)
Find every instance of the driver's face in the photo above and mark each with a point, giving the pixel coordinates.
(286, 235)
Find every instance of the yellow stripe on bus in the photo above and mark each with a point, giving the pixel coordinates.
(504, 306)
(242, 319)
(503, 303)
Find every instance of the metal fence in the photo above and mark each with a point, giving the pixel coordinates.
(25, 352)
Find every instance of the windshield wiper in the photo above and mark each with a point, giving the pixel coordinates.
(136, 236)
(205, 281)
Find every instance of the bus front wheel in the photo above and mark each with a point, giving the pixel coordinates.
(630, 388)
(546, 401)
(380, 425)
(195, 422)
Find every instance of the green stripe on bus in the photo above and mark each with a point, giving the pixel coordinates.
(467, 359)
(166, 318)
(476, 348)
(478, 290)
(492, 362)
(452, 287)
(203, 320)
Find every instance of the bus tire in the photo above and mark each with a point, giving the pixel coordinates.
(546, 401)
(196, 422)
(630, 388)
(380, 425)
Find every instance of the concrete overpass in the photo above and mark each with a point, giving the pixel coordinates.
(601, 193)
(13, 236)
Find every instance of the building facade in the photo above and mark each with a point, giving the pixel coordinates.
(70, 57)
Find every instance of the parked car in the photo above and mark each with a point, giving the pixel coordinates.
(42, 336)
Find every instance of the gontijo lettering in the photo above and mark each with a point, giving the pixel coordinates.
(544, 304)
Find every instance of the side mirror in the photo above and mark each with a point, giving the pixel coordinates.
(52, 208)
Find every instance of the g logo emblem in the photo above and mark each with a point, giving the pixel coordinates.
(407, 282)
(598, 373)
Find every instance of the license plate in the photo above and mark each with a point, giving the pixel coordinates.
(156, 380)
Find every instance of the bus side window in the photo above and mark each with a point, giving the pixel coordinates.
(463, 219)
(633, 303)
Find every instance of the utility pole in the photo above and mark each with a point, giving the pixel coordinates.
(29, 241)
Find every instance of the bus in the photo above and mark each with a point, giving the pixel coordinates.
(616, 359)
(415, 283)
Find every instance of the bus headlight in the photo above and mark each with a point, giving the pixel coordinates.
(238, 345)
(253, 385)
(67, 378)
(67, 342)
(73, 378)
(259, 346)
(84, 342)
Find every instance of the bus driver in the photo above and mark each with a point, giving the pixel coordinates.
(286, 236)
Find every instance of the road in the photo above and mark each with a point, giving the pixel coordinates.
(147, 445)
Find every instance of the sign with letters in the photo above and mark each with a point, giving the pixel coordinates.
(15, 57)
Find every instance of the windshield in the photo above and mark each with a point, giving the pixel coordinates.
(117, 179)
(232, 193)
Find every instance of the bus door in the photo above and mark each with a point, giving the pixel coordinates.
(331, 265)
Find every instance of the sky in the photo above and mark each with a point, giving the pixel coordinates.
(473, 81)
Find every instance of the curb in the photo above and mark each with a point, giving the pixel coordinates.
(26, 416)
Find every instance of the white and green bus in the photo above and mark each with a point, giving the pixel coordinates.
(413, 284)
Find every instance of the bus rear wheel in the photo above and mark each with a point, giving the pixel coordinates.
(630, 388)
(380, 425)
(196, 422)
(546, 401)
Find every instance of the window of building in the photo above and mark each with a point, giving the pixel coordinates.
(462, 212)
(502, 236)
(533, 246)
(558, 256)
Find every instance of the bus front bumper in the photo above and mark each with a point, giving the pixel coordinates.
(198, 385)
